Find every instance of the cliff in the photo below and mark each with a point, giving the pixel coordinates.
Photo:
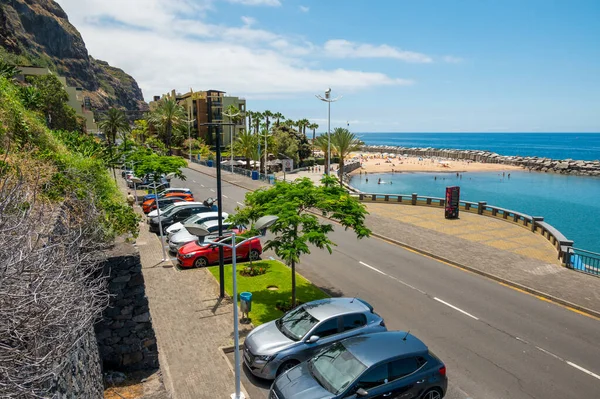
(38, 33)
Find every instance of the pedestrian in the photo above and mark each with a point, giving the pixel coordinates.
(130, 199)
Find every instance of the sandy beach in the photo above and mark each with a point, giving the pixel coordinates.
(375, 163)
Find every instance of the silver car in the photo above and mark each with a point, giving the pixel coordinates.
(277, 346)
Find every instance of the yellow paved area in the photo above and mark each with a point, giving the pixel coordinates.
(481, 229)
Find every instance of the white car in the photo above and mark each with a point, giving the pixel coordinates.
(183, 236)
(196, 219)
(155, 212)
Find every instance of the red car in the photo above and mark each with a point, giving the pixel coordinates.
(194, 254)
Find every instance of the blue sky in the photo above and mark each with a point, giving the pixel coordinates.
(406, 66)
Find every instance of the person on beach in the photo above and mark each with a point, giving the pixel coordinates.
(130, 199)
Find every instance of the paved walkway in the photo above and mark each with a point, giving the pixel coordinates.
(485, 245)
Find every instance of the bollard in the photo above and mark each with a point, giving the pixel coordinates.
(481, 205)
(414, 198)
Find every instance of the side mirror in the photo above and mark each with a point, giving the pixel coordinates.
(361, 392)
(313, 339)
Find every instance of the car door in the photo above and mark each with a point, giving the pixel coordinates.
(352, 324)
(328, 333)
(375, 381)
(405, 379)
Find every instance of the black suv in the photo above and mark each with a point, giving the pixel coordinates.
(177, 214)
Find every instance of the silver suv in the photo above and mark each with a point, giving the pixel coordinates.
(279, 345)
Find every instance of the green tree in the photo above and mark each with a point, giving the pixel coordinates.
(321, 143)
(113, 123)
(139, 133)
(247, 145)
(302, 124)
(297, 226)
(267, 114)
(31, 98)
(278, 116)
(148, 162)
(344, 142)
(8, 71)
(313, 126)
(285, 143)
(168, 116)
(53, 98)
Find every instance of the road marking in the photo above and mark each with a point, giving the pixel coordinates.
(584, 370)
(372, 268)
(202, 185)
(406, 284)
(455, 308)
(212, 190)
(239, 203)
(522, 340)
(549, 353)
(194, 181)
(224, 196)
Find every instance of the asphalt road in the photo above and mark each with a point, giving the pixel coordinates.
(496, 342)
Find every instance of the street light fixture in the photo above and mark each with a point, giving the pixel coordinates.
(262, 224)
(231, 116)
(328, 100)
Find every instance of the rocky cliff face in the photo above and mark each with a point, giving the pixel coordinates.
(38, 32)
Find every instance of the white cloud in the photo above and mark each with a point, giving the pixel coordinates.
(167, 44)
(345, 49)
(304, 9)
(450, 59)
(271, 3)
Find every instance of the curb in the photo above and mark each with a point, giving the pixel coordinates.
(224, 350)
(557, 300)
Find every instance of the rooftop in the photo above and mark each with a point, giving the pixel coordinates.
(374, 348)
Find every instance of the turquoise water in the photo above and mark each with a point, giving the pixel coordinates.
(584, 146)
(569, 203)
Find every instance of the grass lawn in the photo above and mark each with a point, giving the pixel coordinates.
(263, 299)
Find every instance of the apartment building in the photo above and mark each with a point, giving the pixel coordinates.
(77, 100)
(206, 110)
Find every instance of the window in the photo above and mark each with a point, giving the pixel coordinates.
(327, 328)
(374, 377)
(403, 367)
(352, 321)
(296, 323)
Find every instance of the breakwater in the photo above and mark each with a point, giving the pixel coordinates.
(566, 166)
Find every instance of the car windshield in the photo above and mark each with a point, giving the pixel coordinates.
(166, 211)
(335, 368)
(191, 219)
(296, 323)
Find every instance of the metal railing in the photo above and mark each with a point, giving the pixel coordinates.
(583, 261)
(239, 171)
(534, 223)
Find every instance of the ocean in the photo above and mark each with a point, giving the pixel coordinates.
(580, 146)
(569, 203)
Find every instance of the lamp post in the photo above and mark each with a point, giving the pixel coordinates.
(262, 225)
(137, 180)
(219, 205)
(328, 100)
(162, 240)
(231, 116)
(190, 135)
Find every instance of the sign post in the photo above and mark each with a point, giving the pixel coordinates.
(452, 202)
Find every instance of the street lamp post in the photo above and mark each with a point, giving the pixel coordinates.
(262, 225)
(328, 100)
(231, 134)
(136, 181)
(190, 135)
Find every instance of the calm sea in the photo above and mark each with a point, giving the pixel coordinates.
(569, 203)
(584, 146)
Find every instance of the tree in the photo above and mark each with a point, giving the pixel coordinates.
(321, 143)
(267, 114)
(147, 162)
(246, 145)
(285, 143)
(278, 116)
(139, 132)
(31, 98)
(8, 71)
(294, 203)
(112, 123)
(344, 143)
(302, 124)
(168, 116)
(53, 99)
(313, 127)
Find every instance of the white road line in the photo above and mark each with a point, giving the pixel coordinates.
(584, 370)
(372, 268)
(455, 308)
(239, 203)
(522, 340)
(224, 196)
(549, 353)
(406, 284)
(194, 181)
(212, 190)
(202, 185)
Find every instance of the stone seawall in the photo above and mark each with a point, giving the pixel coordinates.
(125, 335)
(566, 166)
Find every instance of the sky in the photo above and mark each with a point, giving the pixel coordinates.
(398, 65)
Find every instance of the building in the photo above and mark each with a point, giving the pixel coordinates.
(205, 109)
(77, 100)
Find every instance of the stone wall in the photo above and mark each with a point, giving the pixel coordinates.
(566, 166)
(125, 335)
(81, 377)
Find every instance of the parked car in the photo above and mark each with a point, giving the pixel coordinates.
(392, 364)
(200, 254)
(195, 219)
(279, 345)
(148, 180)
(150, 205)
(169, 191)
(183, 236)
(125, 172)
(180, 212)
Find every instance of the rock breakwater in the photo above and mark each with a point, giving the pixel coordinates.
(561, 166)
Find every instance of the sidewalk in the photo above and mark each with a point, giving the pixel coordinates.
(485, 246)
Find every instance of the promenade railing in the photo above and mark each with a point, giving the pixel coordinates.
(583, 261)
(239, 171)
(535, 224)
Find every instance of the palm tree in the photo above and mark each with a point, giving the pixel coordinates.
(113, 122)
(257, 118)
(302, 124)
(313, 126)
(246, 145)
(344, 142)
(321, 143)
(167, 116)
(267, 114)
(278, 116)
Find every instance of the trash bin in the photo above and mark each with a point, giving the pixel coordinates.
(255, 175)
(246, 302)
(209, 163)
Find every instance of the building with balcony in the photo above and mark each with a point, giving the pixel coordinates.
(206, 109)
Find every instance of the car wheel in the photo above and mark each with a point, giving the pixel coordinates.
(432, 394)
(254, 254)
(201, 262)
(290, 364)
